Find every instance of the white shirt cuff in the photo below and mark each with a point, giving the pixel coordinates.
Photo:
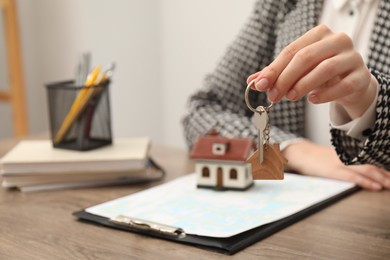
(359, 128)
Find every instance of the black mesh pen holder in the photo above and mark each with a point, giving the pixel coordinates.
(80, 117)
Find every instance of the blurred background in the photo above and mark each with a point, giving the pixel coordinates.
(162, 49)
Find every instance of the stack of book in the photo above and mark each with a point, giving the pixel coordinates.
(35, 165)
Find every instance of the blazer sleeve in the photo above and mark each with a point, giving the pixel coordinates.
(220, 103)
(376, 148)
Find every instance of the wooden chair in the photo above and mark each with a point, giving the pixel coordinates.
(14, 94)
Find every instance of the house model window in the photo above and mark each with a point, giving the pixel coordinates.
(219, 149)
(206, 172)
(233, 174)
(220, 163)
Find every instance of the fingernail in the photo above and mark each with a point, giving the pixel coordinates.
(273, 94)
(262, 84)
(292, 95)
(376, 186)
(313, 99)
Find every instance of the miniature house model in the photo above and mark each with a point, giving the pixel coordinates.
(220, 162)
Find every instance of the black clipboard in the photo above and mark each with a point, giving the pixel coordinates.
(229, 245)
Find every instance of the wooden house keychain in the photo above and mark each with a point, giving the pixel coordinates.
(267, 161)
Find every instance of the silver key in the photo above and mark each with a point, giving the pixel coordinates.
(260, 120)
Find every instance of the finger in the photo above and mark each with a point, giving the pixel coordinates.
(322, 75)
(309, 58)
(345, 87)
(351, 175)
(252, 77)
(374, 173)
(272, 72)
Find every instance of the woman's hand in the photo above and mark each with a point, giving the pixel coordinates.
(308, 158)
(323, 65)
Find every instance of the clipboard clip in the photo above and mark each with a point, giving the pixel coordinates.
(148, 226)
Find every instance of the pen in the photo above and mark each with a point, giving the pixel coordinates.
(78, 105)
(87, 120)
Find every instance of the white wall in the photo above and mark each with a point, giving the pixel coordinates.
(162, 48)
(195, 34)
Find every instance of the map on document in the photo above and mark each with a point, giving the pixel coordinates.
(206, 212)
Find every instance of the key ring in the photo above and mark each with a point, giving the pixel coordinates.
(261, 108)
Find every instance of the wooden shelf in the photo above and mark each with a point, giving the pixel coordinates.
(14, 94)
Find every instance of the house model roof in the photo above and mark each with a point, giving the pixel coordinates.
(234, 149)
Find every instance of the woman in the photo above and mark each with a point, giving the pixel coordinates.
(287, 50)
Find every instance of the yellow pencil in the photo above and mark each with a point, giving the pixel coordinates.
(78, 105)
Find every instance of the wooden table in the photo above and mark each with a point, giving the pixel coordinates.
(40, 226)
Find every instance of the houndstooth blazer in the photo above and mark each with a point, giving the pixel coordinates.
(273, 25)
